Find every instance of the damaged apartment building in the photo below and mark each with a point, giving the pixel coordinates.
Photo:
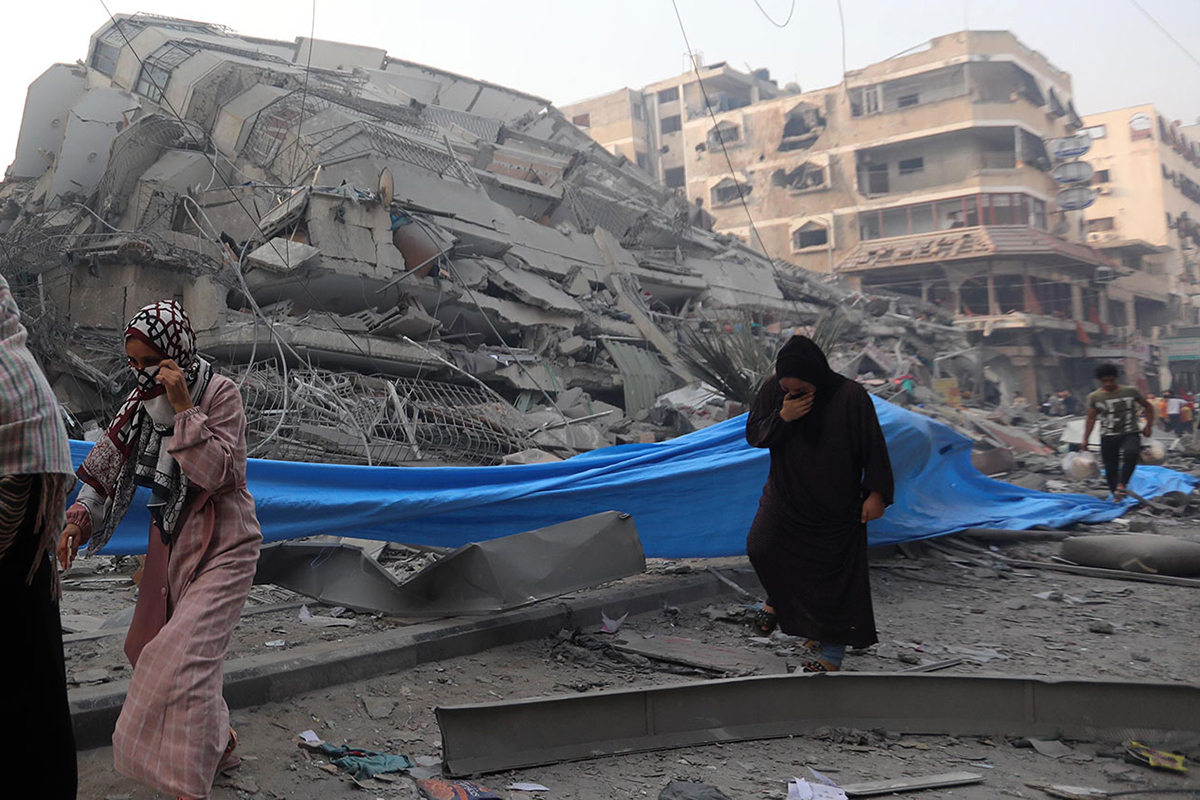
(397, 264)
(929, 174)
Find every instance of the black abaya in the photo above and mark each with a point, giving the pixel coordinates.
(808, 543)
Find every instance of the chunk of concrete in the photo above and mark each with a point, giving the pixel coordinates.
(573, 345)
(532, 456)
(283, 255)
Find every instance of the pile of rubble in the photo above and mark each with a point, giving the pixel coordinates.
(398, 264)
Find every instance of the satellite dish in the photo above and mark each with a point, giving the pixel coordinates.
(387, 186)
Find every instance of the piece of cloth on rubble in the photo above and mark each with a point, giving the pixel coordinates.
(190, 598)
(686, 790)
(364, 764)
(33, 441)
(808, 543)
(136, 448)
(439, 789)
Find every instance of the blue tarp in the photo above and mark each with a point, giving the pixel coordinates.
(692, 496)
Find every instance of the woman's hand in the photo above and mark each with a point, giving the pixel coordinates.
(795, 407)
(175, 382)
(68, 545)
(872, 507)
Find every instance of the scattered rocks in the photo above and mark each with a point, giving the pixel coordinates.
(1100, 626)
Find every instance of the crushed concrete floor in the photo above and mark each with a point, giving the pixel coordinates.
(929, 609)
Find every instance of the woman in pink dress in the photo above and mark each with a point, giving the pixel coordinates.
(181, 434)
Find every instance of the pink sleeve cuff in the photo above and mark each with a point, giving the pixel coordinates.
(78, 514)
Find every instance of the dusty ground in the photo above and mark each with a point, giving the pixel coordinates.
(929, 609)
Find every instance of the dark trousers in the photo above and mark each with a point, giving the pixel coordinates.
(1120, 455)
(33, 703)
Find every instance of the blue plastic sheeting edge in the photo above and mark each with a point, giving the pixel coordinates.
(694, 496)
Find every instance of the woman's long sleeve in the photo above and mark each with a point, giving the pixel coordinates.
(87, 511)
(764, 426)
(204, 443)
(877, 465)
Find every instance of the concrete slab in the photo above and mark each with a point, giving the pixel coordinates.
(514, 277)
(277, 676)
(283, 255)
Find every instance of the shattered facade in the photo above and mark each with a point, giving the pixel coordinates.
(397, 264)
(928, 174)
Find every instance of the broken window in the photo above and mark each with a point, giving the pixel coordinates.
(723, 133)
(921, 218)
(810, 234)
(729, 191)
(802, 129)
(909, 166)
(874, 179)
(864, 101)
(669, 95)
(582, 120)
(675, 177)
(1027, 87)
(1056, 107)
(157, 68)
(1140, 127)
(868, 226)
(805, 176)
(1032, 151)
(1101, 224)
(908, 100)
(104, 58)
(672, 124)
(1073, 118)
(1102, 176)
(1002, 210)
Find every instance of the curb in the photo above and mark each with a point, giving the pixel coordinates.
(254, 680)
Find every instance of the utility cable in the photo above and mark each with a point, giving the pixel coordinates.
(783, 24)
(304, 93)
(1165, 32)
(728, 160)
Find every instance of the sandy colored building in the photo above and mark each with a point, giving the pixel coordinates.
(1147, 217)
(928, 174)
(646, 125)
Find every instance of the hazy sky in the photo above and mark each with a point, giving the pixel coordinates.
(567, 50)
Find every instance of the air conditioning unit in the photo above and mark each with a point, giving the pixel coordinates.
(1103, 189)
(1104, 275)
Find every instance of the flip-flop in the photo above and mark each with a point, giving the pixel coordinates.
(765, 621)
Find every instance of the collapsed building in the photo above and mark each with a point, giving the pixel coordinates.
(397, 264)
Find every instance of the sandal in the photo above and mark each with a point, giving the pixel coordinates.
(817, 665)
(765, 621)
(228, 759)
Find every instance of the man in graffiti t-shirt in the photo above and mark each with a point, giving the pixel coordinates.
(1120, 444)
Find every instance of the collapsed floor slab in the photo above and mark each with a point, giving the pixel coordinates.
(478, 578)
(491, 737)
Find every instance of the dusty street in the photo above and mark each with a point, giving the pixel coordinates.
(929, 609)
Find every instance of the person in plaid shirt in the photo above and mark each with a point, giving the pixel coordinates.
(35, 477)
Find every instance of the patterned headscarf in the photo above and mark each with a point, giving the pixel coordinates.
(33, 440)
(135, 449)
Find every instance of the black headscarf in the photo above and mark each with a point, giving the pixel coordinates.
(802, 358)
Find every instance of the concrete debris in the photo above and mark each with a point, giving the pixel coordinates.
(477, 578)
(395, 259)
